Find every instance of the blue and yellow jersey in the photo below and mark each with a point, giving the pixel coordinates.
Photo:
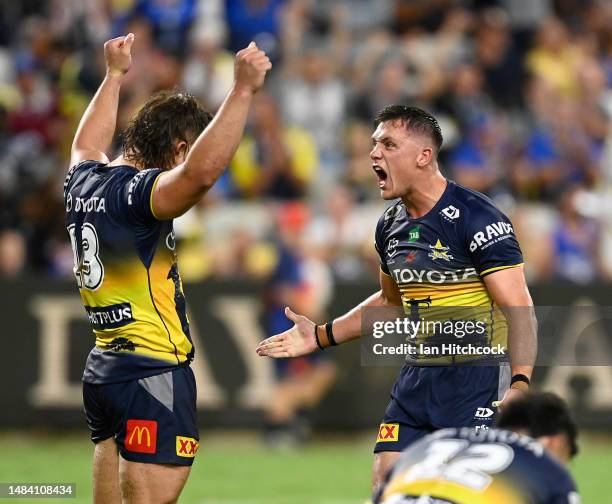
(127, 273)
(467, 466)
(438, 261)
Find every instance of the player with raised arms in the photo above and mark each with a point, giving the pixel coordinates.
(521, 461)
(440, 245)
(139, 390)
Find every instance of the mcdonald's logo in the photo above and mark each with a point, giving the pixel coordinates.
(141, 436)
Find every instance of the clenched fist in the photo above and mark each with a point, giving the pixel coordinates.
(250, 68)
(117, 54)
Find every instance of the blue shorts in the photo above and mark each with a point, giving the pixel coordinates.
(427, 398)
(152, 419)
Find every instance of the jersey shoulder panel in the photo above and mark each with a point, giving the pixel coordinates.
(131, 191)
(78, 172)
(476, 208)
(487, 232)
(383, 226)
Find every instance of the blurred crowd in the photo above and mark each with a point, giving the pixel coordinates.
(522, 89)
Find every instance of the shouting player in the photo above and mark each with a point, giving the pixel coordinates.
(139, 391)
(440, 245)
(522, 464)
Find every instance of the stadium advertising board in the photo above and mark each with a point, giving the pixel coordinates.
(47, 338)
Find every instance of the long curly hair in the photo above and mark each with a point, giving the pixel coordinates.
(167, 117)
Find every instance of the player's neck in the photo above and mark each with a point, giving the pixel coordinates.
(122, 161)
(422, 197)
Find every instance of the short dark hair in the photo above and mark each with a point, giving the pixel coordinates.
(166, 117)
(540, 414)
(414, 119)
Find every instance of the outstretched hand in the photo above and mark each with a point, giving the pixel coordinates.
(117, 53)
(297, 341)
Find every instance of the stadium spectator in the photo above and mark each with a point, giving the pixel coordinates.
(523, 90)
(300, 280)
(315, 99)
(555, 57)
(12, 253)
(500, 60)
(575, 252)
(274, 160)
(339, 234)
(358, 176)
(257, 20)
(171, 21)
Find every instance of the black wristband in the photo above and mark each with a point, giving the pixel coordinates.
(518, 378)
(330, 333)
(321, 347)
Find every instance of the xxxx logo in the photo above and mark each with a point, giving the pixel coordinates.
(186, 446)
(388, 433)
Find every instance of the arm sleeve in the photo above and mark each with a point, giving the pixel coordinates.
(135, 197)
(379, 243)
(491, 240)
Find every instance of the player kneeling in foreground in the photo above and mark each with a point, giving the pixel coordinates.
(139, 391)
(520, 461)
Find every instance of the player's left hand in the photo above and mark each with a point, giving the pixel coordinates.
(511, 394)
(297, 341)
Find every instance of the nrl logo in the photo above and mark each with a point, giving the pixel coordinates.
(391, 248)
(451, 213)
(439, 251)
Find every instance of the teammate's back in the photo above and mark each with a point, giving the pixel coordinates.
(492, 466)
(472, 467)
(126, 271)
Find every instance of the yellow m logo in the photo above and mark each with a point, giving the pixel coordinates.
(139, 432)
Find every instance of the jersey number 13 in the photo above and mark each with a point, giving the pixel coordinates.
(88, 268)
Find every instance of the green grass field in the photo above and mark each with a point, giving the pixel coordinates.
(234, 468)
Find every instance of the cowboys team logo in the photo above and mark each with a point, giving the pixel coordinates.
(439, 251)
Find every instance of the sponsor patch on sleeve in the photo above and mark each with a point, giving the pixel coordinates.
(141, 436)
(388, 433)
(186, 446)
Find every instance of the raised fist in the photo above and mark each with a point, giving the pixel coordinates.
(117, 54)
(250, 68)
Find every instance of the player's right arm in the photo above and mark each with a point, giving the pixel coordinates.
(301, 340)
(179, 189)
(97, 126)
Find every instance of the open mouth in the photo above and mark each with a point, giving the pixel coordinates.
(381, 174)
